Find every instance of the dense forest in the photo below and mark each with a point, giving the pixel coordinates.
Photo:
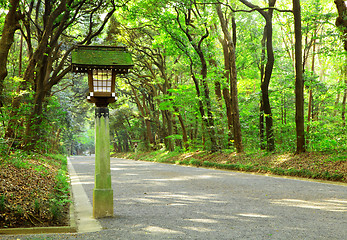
(209, 75)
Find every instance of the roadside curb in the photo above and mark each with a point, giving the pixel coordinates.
(83, 208)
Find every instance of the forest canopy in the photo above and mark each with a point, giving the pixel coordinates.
(209, 75)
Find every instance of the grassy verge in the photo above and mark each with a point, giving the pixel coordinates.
(34, 190)
(331, 166)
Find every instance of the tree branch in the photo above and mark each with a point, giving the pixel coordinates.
(254, 8)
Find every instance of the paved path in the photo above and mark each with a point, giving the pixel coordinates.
(160, 201)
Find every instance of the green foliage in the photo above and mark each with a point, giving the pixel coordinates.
(165, 60)
(62, 190)
(195, 162)
(37, 205)
(61, 159)
(2, 202)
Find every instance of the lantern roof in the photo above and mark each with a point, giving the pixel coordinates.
(85, 58)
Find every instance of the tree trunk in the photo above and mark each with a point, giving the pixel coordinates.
(233, 81)
(341, 23)
(168, 116)
(149, 135)
(299, 83)
(310, 95)
(341, 20)
(344, 98)
(226, 93)
(151, 139)
(270, 140)
(210, 127)
(235, 105)
(337, 101)
(261, 104)
(10, 26)
(261, 126)
(219, 110)
(33, 131)
(210, 121)
(200, 104)
(183, 127)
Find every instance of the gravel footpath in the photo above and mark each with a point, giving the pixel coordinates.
(161, 201)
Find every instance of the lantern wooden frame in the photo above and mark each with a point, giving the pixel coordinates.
(102, 63)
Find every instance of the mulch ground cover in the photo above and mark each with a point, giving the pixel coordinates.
(27, 190)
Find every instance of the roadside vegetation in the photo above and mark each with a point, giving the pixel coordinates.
(34, 190)
(330, 166)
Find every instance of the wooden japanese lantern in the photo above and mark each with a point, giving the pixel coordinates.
(102, 63)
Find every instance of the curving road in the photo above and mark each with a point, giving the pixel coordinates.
(161, 201)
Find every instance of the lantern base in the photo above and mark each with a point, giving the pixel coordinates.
(101, 101)
(102, 203)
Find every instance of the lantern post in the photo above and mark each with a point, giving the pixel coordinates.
(102, 63)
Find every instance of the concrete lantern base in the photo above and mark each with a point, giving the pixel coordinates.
(102, 203)
(102, 193)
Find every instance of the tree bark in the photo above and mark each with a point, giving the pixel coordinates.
(197, 46)
(226, 92)
(299, 82)
(183, 127)
(210, 120)
(265, 110)
(11, 24)
(344, 98)
(149, 135)
(310, 94)
(261, 104)
(233, 81)
(341, 23)
(270, 139)
(341, 20)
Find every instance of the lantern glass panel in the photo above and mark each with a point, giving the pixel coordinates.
(102, 80)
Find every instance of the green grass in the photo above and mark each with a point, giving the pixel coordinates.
(61, 194)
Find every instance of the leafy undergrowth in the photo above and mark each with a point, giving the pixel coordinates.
(330, 166)
(34, 191)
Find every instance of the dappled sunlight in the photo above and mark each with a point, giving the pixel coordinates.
(117, 169)
(177, 204)
(82, 179)
(182, 178)
(198, 229)
(131, 174)
(254, 215)
(91, 162)
(282, 158)
(172, 199)
(221, 216)
(333, 205)
(173, 202)
(147, 200)
(187, 198)
(83, 183)
(203, 220)
(156, 229)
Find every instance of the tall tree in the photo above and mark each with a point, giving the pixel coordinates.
(231, 73)
(299, 81)
(186, 16)
(341, 23)
(341, 20)
(10, 26)
(267, 43)
(48, 27)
